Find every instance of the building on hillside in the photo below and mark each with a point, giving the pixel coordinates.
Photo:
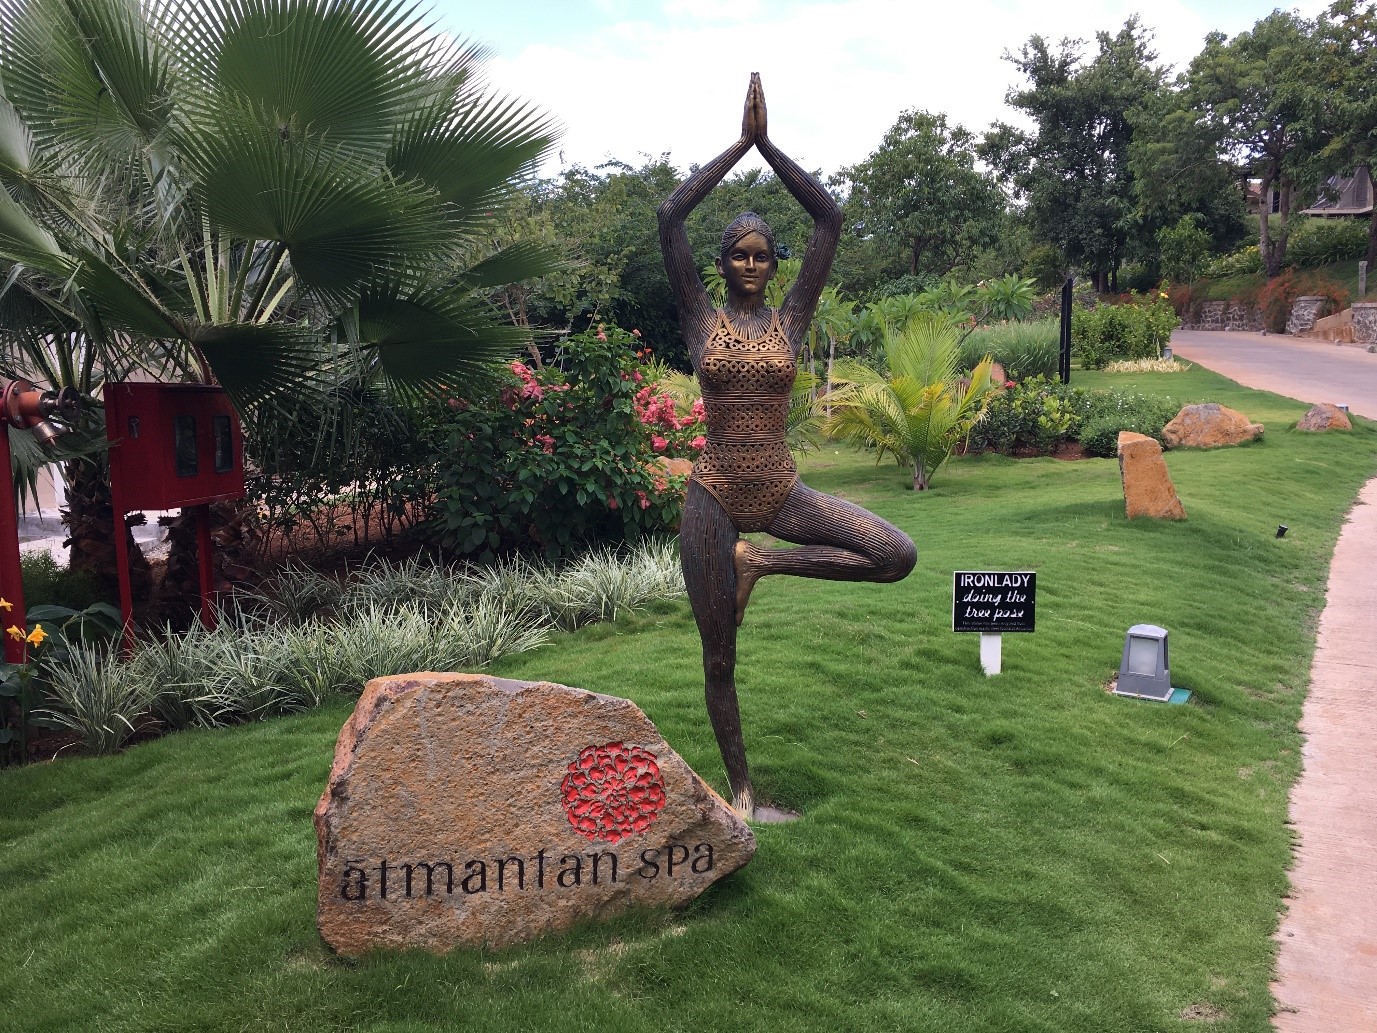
(1345, 197)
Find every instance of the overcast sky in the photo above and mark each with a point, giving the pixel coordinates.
(631, 78)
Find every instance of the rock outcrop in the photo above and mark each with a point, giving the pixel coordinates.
(1209, 425)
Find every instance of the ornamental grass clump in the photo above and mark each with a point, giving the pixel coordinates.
(1024, 349)
(311, 636)
(96, 699)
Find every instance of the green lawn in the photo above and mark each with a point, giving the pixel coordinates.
(1020, 853)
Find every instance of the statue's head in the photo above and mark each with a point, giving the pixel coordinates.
(747, 260)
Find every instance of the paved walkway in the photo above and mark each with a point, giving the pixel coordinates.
(1327, 956)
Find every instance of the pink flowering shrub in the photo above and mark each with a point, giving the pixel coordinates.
(553, 458)
(672, 435)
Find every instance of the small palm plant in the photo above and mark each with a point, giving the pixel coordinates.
(921, 409)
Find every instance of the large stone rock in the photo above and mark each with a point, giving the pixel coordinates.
(1148, 490)
(1209, 425)
(463, 809)
(1325, 416)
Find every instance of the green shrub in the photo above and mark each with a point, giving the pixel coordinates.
(1109, 412)
(1023, 349)
(1136, 330)
(46, 582)
(1184, 249)
(1325, 242)
(1245, 261)
(1036, 414)
(554, 458)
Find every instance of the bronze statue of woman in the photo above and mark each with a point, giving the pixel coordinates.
(745, 357)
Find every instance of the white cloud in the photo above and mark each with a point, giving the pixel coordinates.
(836, 75)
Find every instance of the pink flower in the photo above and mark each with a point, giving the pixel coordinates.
(547, 444)
(658, 443)
(611, 502)
(643, 499)
(637, 377)
(601, 336)
(454, 403)
(699, 443)
(1010, 383)
(697, 412)
(635, 333)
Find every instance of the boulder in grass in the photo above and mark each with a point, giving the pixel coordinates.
(1325, 416)
(1148, 490)
(468, 810)
(1209, 425)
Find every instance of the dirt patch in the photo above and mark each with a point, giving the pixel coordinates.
(1203, 1013)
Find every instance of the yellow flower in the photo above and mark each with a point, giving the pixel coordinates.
(16, 632)
(37, 636)
(6, 605)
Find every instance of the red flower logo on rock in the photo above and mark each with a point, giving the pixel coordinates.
(613, 791)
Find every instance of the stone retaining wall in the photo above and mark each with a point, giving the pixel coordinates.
(1227, 315)
(1304, 313)
(1365, 322)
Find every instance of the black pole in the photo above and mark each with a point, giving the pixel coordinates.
(1064, 360)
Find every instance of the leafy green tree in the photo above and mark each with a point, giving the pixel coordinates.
(1179, 173)
(1183, 249)
(1256, 93)
(918, 201)
(1348, 101)
(1073, 169)
(604, 219)
(921, 409)
(275, 195)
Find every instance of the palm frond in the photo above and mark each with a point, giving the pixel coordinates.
(424, 340)
(319, 68)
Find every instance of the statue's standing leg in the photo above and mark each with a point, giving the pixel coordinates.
(707, 541)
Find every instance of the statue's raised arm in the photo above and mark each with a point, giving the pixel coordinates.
(797, 311)
(696, 311)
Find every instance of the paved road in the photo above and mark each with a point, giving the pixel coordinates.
(1327, 955)
(1313, 371)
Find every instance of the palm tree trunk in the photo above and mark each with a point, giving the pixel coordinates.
(920, 476)
(90, 520)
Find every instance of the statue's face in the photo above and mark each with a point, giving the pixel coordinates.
(748, 266)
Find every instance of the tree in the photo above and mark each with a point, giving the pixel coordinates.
(605, 217)
(275, 195)
(1179, 173)
(1254, 94)
(1073, 169)
(921, 409)
(1348, 100)
(919, 201)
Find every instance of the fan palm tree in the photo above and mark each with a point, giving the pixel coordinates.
(272, 195)
(921, 409)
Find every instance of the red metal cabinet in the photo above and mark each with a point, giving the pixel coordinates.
(173, 445)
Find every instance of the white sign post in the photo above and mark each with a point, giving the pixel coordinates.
(991, 653)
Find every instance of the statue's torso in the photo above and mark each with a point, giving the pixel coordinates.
(747, 385)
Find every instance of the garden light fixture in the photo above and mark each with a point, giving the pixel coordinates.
(1144, 671)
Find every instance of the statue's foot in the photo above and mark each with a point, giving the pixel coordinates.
(746, 559)
(743, 803)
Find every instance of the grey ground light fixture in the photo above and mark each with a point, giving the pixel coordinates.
(1145, 670)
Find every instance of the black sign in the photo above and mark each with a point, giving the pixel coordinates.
(992, 602)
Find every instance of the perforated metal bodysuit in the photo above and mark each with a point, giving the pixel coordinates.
(746, 464)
